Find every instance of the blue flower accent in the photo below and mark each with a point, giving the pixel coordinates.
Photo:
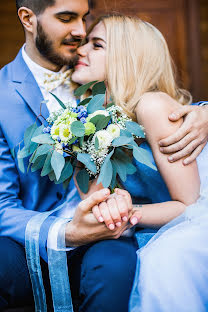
(47, 130)
(58, 139)
(83, 120)
(75, 142)
(65, 154)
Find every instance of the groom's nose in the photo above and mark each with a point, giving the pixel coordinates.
(79, 29)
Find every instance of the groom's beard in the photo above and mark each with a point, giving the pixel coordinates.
(45, 47)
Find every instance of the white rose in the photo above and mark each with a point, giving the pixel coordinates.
(104, 138)
(98, 112)
(114, 130)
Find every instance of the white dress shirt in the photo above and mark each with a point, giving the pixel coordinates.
(62, 92)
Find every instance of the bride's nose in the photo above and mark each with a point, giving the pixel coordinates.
(82, 51)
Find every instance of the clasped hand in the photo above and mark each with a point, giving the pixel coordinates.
(100, 216)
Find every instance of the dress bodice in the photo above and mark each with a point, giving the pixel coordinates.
(146, 185)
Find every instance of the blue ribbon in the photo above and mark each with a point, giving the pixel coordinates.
(32, 234)
(58, 269)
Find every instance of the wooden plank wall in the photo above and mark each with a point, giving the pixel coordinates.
(204, 47)
(178, 37)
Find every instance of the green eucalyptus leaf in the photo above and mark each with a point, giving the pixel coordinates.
(86, 160)
(78, 129)
(120, 168)
(81, 141)
(72, 140)
(122, 140)
(12, 151)
(125, 133)
(52, 176)
(38, 131)
(99, 88)
(102, 123)
(47, 165)
(85, 101)
(96, 144)
(58, 100)
(83, 180)
(42, 150)
(135, 128)
(66, 183)
(21, 166)
(39, 163)
(25, 152)
(29, 134)
(106, 171)
(43, 139)
(110, 104)
(66, 172)
(130, 168)
(143, 156)
(113, 180)
(81, 90)
(57, 163)
(96, 118)
(120, 154)
(96, 103)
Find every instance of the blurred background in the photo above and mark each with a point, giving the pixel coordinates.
(184, 23)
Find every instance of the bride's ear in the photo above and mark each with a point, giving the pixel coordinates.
(28, 19)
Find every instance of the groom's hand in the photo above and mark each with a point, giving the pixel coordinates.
(189, 140)
(84, 228)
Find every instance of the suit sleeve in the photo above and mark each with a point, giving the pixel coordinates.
(13, 215)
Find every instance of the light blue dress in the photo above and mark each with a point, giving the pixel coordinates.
(172, 268)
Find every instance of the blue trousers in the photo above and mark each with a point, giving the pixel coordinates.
(101, 275)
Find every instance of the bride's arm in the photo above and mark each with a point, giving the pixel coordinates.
(182, 181)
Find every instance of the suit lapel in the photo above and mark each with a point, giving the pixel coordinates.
(28, 88)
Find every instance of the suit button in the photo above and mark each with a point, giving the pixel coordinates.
(59, 195)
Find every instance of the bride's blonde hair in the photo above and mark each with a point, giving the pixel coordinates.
(137, 61)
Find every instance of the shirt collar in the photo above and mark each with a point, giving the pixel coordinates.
(37, 70)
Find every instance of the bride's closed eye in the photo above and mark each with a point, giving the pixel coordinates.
(97, 45)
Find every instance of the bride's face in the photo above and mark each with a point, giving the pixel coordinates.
(92, 57)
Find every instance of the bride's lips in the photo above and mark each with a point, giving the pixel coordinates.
(80, 63)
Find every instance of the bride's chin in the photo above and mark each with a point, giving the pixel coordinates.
(79, 78)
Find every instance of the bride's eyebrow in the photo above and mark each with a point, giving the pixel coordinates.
(97, 38)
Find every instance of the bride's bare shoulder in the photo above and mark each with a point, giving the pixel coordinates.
(152, 112)
(153, 104)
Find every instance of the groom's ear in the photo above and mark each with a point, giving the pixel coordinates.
(28, 19)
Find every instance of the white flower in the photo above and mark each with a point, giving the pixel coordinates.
(114, 130)
(55, 131)
(98, 112)
(104, 138)
(65, 133)
(59, 148)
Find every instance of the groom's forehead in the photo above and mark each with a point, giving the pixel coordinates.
(76, 6)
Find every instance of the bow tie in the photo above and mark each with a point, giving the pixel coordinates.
(54, 80)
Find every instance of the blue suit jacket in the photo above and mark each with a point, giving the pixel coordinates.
(21, 195)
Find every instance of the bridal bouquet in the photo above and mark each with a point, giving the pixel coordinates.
(96, 136)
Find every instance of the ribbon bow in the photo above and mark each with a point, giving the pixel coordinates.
(54, 80)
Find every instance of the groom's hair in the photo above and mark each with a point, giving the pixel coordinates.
(37, 6)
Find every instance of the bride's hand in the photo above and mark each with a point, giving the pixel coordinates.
(115, 211)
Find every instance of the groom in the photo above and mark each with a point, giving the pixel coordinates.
(101, 273)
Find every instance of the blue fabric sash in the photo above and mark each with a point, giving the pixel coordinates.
(58, 264)
(58, 269)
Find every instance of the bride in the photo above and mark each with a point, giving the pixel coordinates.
(132, 57)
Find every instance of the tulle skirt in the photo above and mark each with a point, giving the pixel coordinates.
(172, 269)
